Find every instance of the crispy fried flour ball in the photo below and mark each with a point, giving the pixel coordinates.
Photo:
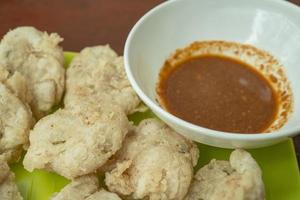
(98, 74)
(34, 62)
(84, 188)
(15, 122)
(75, 142)
(155, 162)
(238, 179)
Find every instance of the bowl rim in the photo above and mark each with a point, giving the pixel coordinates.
(176, 120)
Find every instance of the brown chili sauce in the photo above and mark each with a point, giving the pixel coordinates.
(219, 93)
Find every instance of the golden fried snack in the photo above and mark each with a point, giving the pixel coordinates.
(15, 123)
(84, 188)
(75, 142)
(8, 188)
(98, 74)
(34, 59)
(238, 179)
(154, 163)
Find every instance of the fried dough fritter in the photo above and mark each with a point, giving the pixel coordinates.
(75, 142)
(238, 179)
(8, 188)
(154, 163)
(98, 74)
(15, 123)
(84, 188)
(35, 59)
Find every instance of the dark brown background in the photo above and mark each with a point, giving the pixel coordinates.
(82, 22)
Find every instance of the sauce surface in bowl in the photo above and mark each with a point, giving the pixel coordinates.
(219, 93)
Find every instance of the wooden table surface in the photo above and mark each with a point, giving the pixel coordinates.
(82, 22)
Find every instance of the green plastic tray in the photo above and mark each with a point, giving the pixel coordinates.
(278, 163)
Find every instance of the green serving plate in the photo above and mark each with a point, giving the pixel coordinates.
(278, 163)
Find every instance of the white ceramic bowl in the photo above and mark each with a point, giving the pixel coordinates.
(271, 25)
